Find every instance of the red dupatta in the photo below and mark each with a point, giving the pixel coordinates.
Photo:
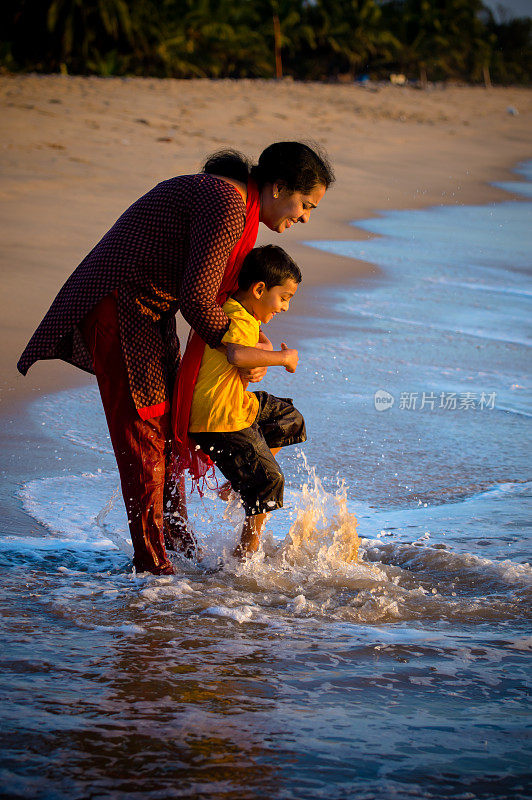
(187, 453)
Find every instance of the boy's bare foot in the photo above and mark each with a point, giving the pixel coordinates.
(250, 536)
(241, 554)
(247, 549)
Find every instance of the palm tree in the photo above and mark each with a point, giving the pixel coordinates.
(214, 38)
(347, 36)
(87, 28)
(440, 38)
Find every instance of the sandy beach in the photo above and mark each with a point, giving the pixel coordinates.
(77, 151)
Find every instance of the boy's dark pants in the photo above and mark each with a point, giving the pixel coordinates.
(244, 457)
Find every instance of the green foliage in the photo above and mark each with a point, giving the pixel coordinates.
(511, 60)
(347, 37)
(440, 38)
(320, 39)
(87, 33)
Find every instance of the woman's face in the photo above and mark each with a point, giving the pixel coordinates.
(280, 209)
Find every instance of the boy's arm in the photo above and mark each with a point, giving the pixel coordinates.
(244, 357)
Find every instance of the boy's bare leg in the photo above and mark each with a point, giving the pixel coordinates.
(225, 490)
(250, 537)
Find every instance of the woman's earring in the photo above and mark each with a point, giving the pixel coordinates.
(276, 195)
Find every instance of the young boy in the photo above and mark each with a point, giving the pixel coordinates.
(242, 431)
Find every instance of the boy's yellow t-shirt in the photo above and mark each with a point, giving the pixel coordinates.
(220, 402)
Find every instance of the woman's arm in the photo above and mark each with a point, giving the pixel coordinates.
(244, 357)
(256, 374)
(216, 224)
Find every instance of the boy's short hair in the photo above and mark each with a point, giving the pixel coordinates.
(270, 264)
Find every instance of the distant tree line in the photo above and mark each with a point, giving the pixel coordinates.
(425, 40)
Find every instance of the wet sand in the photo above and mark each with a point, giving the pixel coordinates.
(77, 151)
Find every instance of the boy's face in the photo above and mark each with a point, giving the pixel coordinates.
(269, 302)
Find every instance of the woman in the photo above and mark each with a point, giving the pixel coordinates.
(115, 315)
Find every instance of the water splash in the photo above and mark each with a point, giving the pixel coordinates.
(322, 536)
(324, 530)
(114, 536)
(311, 562)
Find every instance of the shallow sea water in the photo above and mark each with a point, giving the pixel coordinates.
(379, 644)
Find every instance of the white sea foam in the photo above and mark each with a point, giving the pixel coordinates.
(88, 443)
(242, 614)
(481, 287)
(315, 569)
(71, 507)
(477, 333)
(516, 187)
(473, 570)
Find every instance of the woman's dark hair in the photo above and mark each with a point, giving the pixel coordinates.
(228, 164)
(293, 165)
(270, 264)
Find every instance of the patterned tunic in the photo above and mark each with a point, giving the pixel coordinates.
(166, 253)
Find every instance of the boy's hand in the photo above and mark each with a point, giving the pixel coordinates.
(254, 375)
(291, 357)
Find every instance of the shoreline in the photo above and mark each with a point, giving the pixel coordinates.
(60, 376)
(77, 152)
